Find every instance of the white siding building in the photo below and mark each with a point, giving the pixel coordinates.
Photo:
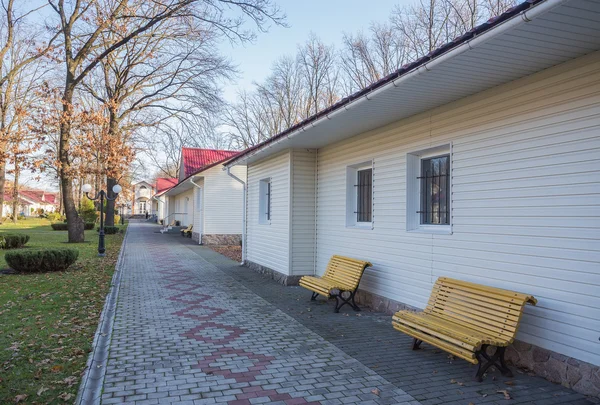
(515, 203)
(209, 198)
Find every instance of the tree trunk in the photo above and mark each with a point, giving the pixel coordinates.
(75, 224)
(15, 203)
(110, 204)
(2, 184)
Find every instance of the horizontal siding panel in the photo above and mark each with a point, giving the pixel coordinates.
(223, 201)
(525, 199)
(268, 244)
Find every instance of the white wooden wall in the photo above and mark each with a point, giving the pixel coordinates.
(303, 208)
(526, 203)
(268, 244)
(223, 200)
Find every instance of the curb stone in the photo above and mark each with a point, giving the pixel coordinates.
(90, 388)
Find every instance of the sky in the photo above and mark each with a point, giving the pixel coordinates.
(328, 19)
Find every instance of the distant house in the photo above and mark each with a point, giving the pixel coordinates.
(479, 161)
(207, 197)
(31, 202)
(142, 195)
(159, 206)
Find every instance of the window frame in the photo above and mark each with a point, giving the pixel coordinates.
(265, 201)
(414, 195)
(352, 215)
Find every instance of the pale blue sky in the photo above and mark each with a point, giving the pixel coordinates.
(328, 19)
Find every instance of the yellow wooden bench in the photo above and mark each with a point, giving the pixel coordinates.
(340, 281)
(464, 319)
(187, 231)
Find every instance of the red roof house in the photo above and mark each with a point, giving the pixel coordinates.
(195, 159)
(164, 183)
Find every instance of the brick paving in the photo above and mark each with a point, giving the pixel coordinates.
(427, 375)
(187, 332)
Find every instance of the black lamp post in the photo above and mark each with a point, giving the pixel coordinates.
(101, 195)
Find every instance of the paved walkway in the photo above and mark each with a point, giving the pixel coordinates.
(194, 327)
(185, 332)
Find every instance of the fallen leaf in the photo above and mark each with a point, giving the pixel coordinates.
(509, 382)
(505, 393)
(56, 369)
(42, 390)
(65, 396)
(20, 398)
(376, 391)
(453, 381)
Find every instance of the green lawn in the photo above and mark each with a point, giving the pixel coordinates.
(47, 321)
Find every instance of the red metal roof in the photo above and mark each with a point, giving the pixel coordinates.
(195, 159)
(39, 196)
(164, 183)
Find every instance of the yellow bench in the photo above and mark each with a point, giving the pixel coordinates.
(341, 278)
(187, 231)
(465, 318)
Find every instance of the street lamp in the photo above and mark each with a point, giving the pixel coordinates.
(101, 195)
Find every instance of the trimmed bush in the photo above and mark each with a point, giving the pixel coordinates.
(32, 261)
(109, 230)
(63, 226)
(13, 241)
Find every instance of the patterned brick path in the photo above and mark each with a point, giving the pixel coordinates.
(187, 333)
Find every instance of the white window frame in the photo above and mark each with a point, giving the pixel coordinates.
(265, 202)
(413, 190)
(352, 195)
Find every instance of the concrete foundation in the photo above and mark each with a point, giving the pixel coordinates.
(275, 275)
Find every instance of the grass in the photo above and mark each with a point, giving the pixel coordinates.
(47, 321)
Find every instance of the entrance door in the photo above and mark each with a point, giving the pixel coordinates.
(142, 207)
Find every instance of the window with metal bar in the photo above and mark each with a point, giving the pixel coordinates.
(364, 191)
(435, 190)
(264, 202)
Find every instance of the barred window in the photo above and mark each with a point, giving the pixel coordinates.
(364, 192)
(435, 190)
(264, 201)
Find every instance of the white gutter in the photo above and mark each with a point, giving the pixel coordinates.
(193, 208)
(233, 176)
(522, 18)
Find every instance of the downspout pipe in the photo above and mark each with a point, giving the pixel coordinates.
(199, 188)
(233, 176)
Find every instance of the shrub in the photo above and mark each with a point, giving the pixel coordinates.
(54, 216)
(110, 230)
(29, 261)
(21, 217)
(13, 241)
(87, 211)
(117, 219)
(61, 226)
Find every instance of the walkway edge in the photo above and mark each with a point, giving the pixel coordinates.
(90, 388)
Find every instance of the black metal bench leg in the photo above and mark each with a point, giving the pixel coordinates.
(354, 306)
(314, 296)
(497, 360)
(503, 367)
(340, 301)
(416, 344)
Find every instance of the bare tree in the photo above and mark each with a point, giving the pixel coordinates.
(19, 48)
(317, 63)
(83, 25)
(366, 59)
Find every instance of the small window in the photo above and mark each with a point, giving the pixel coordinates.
(435, 187)
(429, 190)
(363, 194)
(264, 202)
(359, 195)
